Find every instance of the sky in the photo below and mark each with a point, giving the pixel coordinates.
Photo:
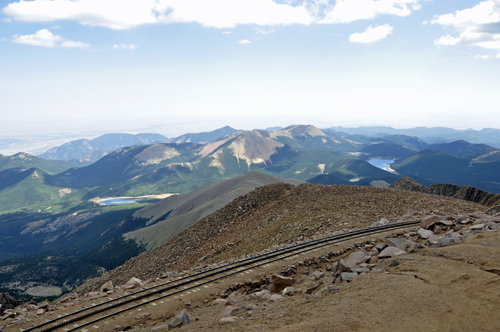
(176, 66)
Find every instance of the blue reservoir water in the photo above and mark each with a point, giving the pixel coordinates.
(384, 164)
(121, 201)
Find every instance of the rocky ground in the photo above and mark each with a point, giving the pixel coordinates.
(277, 215)
(441, 276)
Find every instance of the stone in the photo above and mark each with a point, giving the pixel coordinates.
(278, 283)
(430, 220)
(342, 266)
(448, 240)
(134, 281)
(261, 294)
(424, 234)
(332, 289)
(357, 258)
(381, 222)
(391, 252)
(289, 291)
(167, 274)
(108, 286)
(275, 297)
(381, 246)
(437, 229)
(181, 318)
(218, 301)
(493, 210)
(476, 227)
(360, 270)
(128, 286)
(318, 274)
(395, 262)
(228, 320)
(230, 311)
(43, 305)
(313, 288)
(348, 276)
(40, 311)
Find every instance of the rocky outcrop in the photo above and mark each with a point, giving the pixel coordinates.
(467, 193)
(406, 183)
(8, 302)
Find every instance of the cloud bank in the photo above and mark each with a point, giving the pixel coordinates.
(126, 14)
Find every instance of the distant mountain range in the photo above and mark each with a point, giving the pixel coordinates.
(430, 135)
(84, 151)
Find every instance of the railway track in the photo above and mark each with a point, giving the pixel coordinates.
(194, 282)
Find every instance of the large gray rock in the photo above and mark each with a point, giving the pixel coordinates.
(391, 252)
(341, 266)
(403, 244)
(181, 318)
(448, 240)
(348, 276)
(357, 258)
(230, 311)
(424, 233)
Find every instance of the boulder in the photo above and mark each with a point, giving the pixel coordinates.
(181, 318)
(476, 227)
(43, 305)
(348, 276)
(391, 252)
(493, 210)
(289, 291)
(430, 220)
(358, 258)
(381, 222)
(424, 234)
(448, 240)
(318, 275)
(230, 311)
(342, 266)
(278, 283)
(134, 281)
(108, 286)
(219, 301)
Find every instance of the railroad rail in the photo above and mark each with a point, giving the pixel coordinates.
(193, 281)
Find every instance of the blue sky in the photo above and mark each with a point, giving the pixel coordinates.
(174, 66)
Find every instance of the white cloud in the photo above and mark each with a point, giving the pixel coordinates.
(223, 14)
(244, 41)
(227, 32)
(371, 34)
(126, 14)
(125, 46)
(45, 38)
(346, 11)
(477, 26)
(264, 32)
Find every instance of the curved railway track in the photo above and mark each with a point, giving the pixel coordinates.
(115, 306)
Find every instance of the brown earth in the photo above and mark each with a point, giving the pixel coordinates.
(279, 214)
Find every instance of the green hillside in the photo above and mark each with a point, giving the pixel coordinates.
(28, 161)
